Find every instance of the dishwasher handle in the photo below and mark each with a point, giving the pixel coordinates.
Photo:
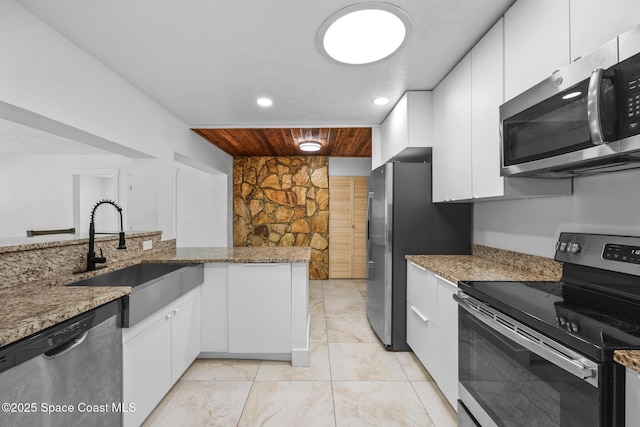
(66, 347)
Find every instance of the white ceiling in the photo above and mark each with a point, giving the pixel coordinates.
(207, 61)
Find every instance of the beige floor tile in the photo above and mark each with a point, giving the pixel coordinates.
(316, 288)
(366, 403)
(364, 362)
(318, 329)
(412, 366)
(350, 330)
(316, 307)
(289, 403)
(202, 403)
(318, 369)
(361, 285)
(442, 414)
(344, 307)
(222, 369)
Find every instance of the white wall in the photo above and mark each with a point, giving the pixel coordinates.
(607, 203)
(36, 192)
(44, 73)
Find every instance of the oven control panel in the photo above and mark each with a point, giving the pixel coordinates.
(621, 253)
(609, 252)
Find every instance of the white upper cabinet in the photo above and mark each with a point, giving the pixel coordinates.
(487, 77)
(595, 22)
(452, 135)
(487, 94)
(536, 42)
(408, 125)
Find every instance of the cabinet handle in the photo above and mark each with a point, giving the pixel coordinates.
(176, 311)
(420, 315)
(419, 266)
(168, 316)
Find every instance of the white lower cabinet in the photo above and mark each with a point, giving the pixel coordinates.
(432, 327)
(632, 398)
(156, 352)
(260, 308)
(446, 374)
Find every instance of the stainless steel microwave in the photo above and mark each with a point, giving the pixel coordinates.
(584, 119)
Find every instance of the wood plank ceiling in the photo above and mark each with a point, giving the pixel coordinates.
(336, 142)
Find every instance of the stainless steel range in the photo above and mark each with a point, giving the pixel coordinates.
(541, 353)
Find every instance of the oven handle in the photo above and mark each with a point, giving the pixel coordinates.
(593, 107)
(544, 347)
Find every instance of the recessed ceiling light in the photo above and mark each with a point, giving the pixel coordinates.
(264, 102)
(381, 101)
(364, 33)
(310, 146)
(572, 95)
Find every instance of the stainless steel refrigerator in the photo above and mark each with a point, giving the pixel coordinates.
(402, 220)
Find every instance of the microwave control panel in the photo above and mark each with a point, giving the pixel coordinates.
(630, 79)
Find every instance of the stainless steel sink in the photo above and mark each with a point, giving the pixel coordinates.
(153, 286)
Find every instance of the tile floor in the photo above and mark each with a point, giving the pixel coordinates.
(351, 380)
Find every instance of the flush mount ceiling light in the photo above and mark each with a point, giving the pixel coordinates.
(381, 101)
(310, 146)
(364, 33)
(264, 102)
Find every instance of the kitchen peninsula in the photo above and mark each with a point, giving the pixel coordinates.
(253, 304)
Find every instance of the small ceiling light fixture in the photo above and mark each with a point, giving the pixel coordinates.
(364, 33)
(264, 102)
(381, 101)
(310, 146)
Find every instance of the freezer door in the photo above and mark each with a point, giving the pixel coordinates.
(379, 252)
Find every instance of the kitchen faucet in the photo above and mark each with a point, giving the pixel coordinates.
(92, 259)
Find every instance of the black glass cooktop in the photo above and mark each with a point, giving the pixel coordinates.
(594, 320)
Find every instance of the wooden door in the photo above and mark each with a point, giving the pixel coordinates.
(347, 223)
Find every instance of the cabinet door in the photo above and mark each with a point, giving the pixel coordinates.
(452, 135)
(214, 309)
(422, 337)
(536, 42)
(595, 22)
(447, 374)
(260, 308)
(394, 130)
(147, 369)
(422, 292)
(185, 333)
(487, 77)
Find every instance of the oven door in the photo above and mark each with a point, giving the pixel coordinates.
(510, 375)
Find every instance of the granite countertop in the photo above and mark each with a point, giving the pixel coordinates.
(628, 358)
(472, 267)
(233, 255)
(33, 307)
(26, 310)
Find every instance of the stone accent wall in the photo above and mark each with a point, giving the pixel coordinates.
(283, 201)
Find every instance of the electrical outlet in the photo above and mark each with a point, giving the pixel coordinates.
(147, 244)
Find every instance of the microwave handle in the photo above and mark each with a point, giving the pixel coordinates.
(593, 107)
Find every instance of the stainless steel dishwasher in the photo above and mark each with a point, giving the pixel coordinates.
(67, 375)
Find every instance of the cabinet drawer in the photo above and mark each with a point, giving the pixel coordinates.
(421, 337)
(422, 291)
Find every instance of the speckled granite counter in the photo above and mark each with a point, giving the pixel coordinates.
(234, 255)
(36, 305)
(628, 358)
(26, 310)
(489, 264)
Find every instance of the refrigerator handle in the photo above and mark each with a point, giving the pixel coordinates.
(369, 247)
